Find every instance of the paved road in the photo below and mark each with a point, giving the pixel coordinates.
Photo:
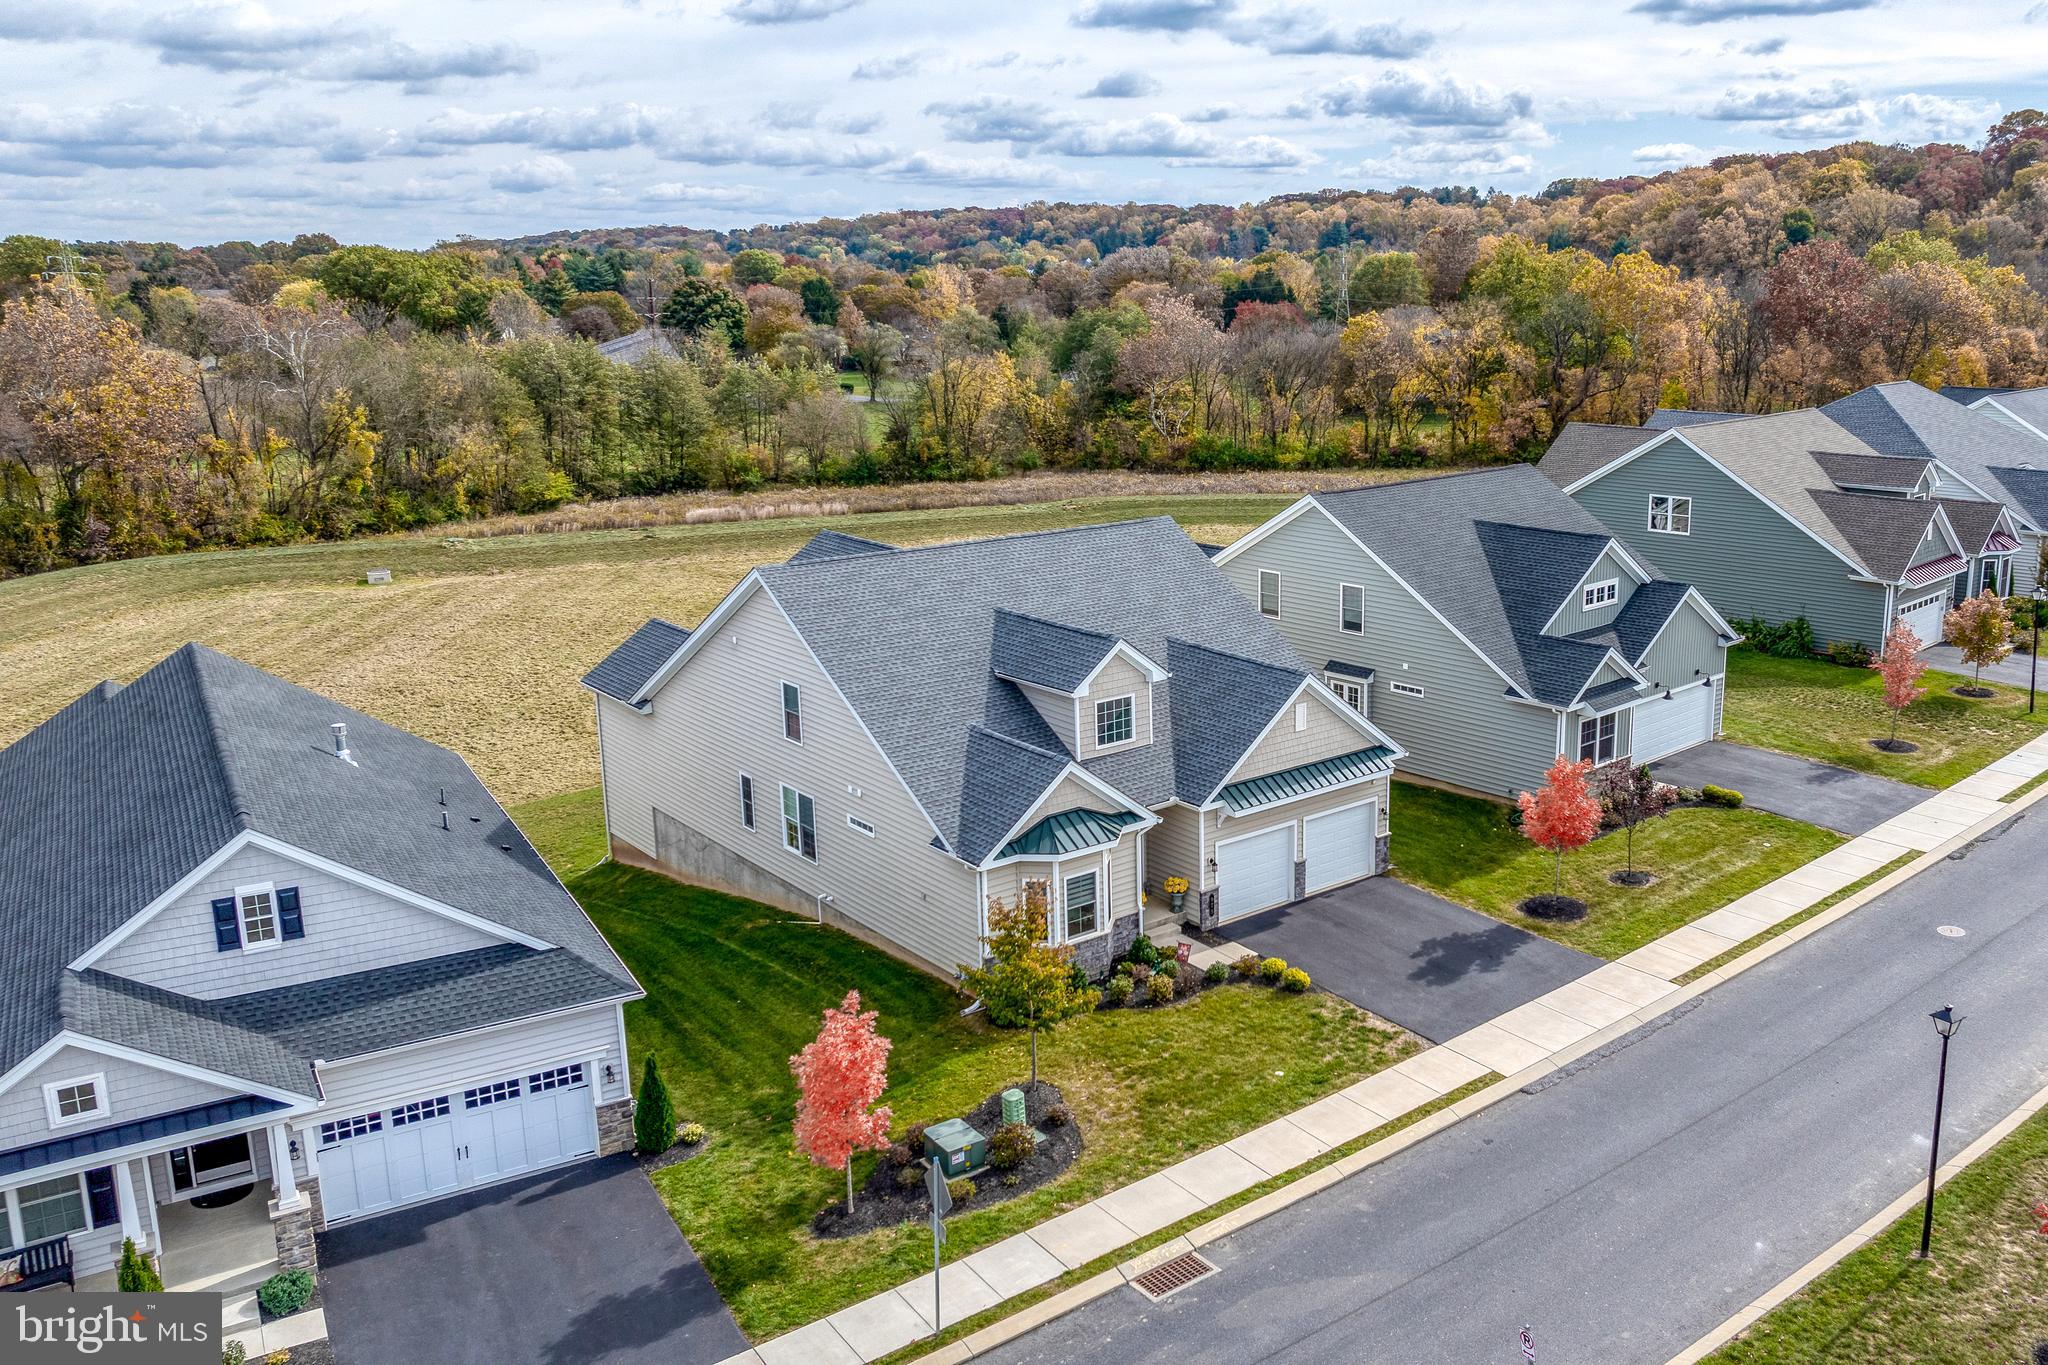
(1627, 1208)
(2013, 670)
(1839, 799)
(1411, 956)
(578, 1265)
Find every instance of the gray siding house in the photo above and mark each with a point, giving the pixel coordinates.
(888, 738)
(1789, 515)
(258, 939)
(1488, 624)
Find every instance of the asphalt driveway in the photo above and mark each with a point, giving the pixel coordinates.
(1410, 956)
(578, 1265)
(1819, 793)
(2014, 670)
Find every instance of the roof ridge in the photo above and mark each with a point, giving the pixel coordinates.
(896, 551)
(1391, 485)
(1026, 745)
(1057, 625)
(192, 652)
(1234, 658)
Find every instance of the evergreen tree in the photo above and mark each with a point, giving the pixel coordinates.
(654, 1113)
(136, 1275)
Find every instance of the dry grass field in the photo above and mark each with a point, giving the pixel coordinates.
(477, 643)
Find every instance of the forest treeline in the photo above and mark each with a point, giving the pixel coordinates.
(157, 398)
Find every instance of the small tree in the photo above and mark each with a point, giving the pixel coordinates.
(1980, 627)
(136, 1275)
(1024, 980)
(1899, 664)
(654, 1113)
(1632, 796)
(838, 1075)
(1562, 816)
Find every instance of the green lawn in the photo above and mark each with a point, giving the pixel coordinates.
(1824, 711)
(1465, 849)
(735, 988)
(1982, 1297)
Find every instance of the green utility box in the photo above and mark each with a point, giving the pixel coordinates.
(956, 1147)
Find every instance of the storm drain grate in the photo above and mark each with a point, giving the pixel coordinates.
(1170, 1277)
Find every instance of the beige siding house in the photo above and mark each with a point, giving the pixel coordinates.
(888, 738)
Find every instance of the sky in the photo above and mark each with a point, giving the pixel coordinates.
(414, 121)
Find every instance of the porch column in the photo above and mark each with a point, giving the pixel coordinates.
(284, 1182)
(124, 1199)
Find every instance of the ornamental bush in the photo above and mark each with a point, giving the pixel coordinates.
(691, 1134)
(1117, 990)
(1143, 950)
(1217, 974)
(136, 1275)
(1246, 966)
(1273, 968)
(909, 1177)
(1720, 796)
(1294, 979)
(654, 1113)
(286, 1292)
(1159, 989)
(1011, 1146)
(962, 1189)
(1058, 1116)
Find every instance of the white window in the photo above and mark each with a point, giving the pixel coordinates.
(1990, 580)
(497, 1092)
(419, 1111)
(555, 1078)
(1351, 609)
(76, 1100)
(1601, 594)
(341, 1130)
(1596, 739)
(1672, 516)
(1269, 593)
(860, 826)
(1406, 689)
(1115, 720)
(799, 823)
(746, 801)
(257, 906)
(52, 1208)
(1349, 691)
(1081, 916)
(792, 713)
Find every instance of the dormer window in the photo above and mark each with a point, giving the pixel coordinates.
(1115, 721)
(1602, 594)
(76, 1100)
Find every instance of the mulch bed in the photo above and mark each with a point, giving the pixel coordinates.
(674, 1156)
(881, 1203)
(1895, 746)
(1973, 693)
(1636, 878)
(311, 1353)
(1556, 909)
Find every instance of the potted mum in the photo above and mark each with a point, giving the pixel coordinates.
(1176, 892)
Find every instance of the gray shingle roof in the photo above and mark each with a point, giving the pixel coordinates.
(2029, 405)
(1774, 455)
(836, 544)
(123, 793)
(1583, 447)
(2029, 491)
(634, 345)
(1973, 520)
(1030, 650)
(1884, 531)
(1966, 395)
(1670, 419)
(1635, 626)
(1494, 552)
(622, 673)
(1905, 419)
(1890, 472)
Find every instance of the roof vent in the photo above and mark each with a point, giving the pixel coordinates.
(340, 731)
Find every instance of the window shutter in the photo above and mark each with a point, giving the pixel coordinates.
(289, 922)
(99, 1192)
(227, 931)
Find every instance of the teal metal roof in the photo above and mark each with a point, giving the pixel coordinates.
(1069, 831)
(1289, 783)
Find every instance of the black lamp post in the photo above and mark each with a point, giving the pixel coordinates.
(2034, 658)
(1946, 1022)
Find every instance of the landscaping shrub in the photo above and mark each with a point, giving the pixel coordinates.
(1794, 639)
(234, 1353)
(1294, 979)
(1117, 990)
(1246, 966)
(1058, 1116)
(913, 1137)
(654, 1113)
(691, 1134)
(1078, 978)
(900, 1153)
(1273, 968)
(1217, 974)
(1720, 796)
(1144, 952)
(909, 1177)
(1011, 1146)
(286, 1292)
(136, 1275)
(1160, 988)
(1848, 654)
(1140, 974)
(962, 1189)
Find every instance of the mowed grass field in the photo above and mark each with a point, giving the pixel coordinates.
(475, 644)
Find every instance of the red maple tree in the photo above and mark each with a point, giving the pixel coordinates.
(1564, 815)
(1899, 664)
(838, 1075)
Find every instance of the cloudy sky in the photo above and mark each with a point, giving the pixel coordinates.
(409, 121)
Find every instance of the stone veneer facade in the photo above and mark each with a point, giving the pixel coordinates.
(615, 1127)
(294, 1229)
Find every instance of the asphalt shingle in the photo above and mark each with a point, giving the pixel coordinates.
(622, 673)
(1583, 447)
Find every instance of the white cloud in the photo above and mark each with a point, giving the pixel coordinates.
(1668, 154)
(532, 175)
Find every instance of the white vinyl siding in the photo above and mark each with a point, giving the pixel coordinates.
(1269, 593)
(1670, 514)
(429, 1069)
(130, 1091)
(1351, 609)
(1118, 678)
(349, 928)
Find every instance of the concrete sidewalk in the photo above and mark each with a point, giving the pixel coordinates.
(1536, 1032)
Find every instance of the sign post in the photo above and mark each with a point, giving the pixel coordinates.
(942, 1204)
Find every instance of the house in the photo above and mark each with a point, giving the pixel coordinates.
(1488, 623)
(259, 939)
(630, 348)
(2024, 410)
(1791, 515)
(888, 738)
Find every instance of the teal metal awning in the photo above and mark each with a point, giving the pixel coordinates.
(1308, 779)
(1070, 831)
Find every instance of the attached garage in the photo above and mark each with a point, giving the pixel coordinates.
(1255, 871)
(1666, 725)
(387, 1158)
(1924, 615)
(1339, 846)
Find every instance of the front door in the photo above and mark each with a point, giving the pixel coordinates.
(205, 1164)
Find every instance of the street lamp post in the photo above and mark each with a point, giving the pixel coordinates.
(2034, 658)
(1946, 1022)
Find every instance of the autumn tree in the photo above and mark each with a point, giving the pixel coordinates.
(1563, 814)
(1025, 980)
(1981, 628)
(1631, 796)
(697, 306)
(1174, 366)
(1901, 667)
(839, 1075)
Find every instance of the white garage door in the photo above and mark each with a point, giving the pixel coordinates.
(1255, 871)
(1924, 615)
(391, 1157)
(1665, 727)
(1338, 845)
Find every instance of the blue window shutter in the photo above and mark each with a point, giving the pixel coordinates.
(99, 1190)
(227, 930)
(289, 922)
